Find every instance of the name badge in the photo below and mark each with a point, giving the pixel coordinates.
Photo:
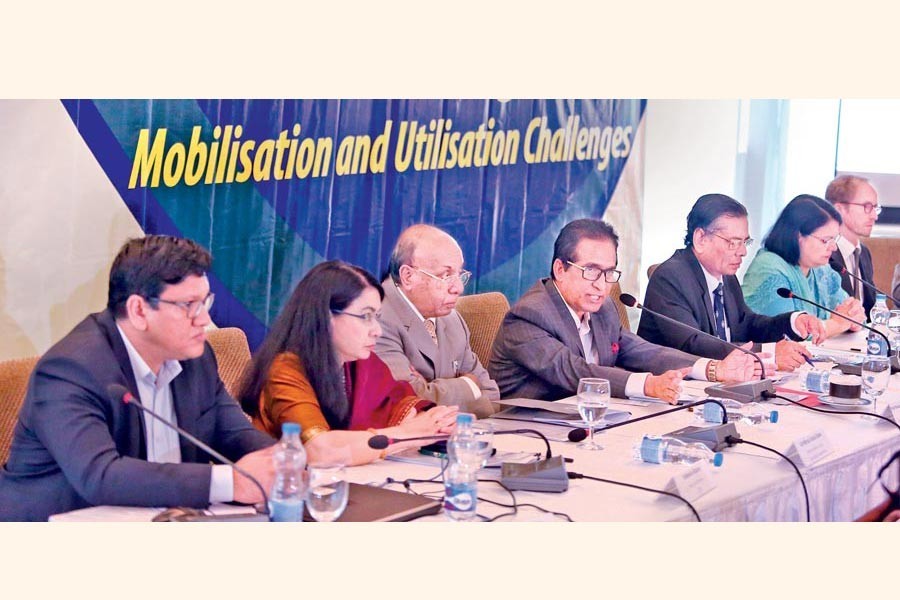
(810, 449)
(691, 482)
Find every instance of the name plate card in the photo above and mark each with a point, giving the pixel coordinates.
(691, 482)
(810, 449)
(890, 409)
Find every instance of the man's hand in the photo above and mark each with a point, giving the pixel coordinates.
(258, 464)
(789, 355)
(808, 325)
(737, 366)
(666, 386)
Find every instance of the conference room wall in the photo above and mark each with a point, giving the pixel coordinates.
(61, 222)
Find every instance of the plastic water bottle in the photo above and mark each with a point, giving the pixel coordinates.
(289, 490)
(463, 447)
(751, 413)
(658, 450)
(460, 492)
(817, 380)
(880, 314)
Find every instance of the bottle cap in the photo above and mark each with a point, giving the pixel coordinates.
(290, 429)
(773, 416)
(718, 459)
(880, 297)
(463, 418)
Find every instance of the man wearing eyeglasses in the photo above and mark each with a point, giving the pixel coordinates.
(75, 446)
(424, 340)
(857, 202)
(566, 327)
(697, 286)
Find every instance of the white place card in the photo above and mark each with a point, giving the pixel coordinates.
(810, 449)
(691, 482)
(889, 408)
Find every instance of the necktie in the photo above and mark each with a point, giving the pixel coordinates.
(719, 310)
(429, 327)
(856, 272)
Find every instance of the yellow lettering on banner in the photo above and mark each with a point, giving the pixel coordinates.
(452, 147)
(581, 144)
(174, 165)
(404, 152)
(196, 158)
(147, 161)
(324, 146)
(466, 149)
(305, 158)
(605, 143)
(378, 161)
(529, 150)
(246, 162)
(262, 162)
(626, 140)
(558, 145)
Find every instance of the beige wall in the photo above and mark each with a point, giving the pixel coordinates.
(61, 223)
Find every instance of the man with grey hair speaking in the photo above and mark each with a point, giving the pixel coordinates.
(424, 340)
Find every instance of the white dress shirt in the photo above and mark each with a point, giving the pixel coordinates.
(155, 393)
(634, 385)
(847, 249)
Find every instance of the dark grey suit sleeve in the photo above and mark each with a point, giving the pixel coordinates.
(71, 421)
(543, 355)
(666, 296)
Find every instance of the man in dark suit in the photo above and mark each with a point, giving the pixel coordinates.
(565, 328)
(698, 287)
(857, 202)
(74, 446)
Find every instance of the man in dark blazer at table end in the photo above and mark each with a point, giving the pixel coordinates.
(74, 446)
(697, 286)
(566, 328)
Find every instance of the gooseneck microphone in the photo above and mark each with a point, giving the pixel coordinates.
(631, 301)
(380, 442)
(786, 293)
(119, 392)
(576, 435)
(869, 285)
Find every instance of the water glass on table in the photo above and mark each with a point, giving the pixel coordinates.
(876, 372)
(328, 492)
(593, 402)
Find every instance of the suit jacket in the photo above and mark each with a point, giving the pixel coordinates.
(538, 353)
(433, 370)
(74, 447)
(866, 271)
(678, 289)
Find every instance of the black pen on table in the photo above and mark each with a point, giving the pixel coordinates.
(805, 357)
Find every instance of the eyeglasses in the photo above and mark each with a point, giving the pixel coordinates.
(733, 243)
(463, 276)
(191, 309)
(369, 318)
(868, 207)
(593, 273)
(827, 241)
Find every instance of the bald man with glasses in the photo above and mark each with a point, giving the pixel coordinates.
(857, 202)
(424, 340)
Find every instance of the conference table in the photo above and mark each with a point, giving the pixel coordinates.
(751, 485)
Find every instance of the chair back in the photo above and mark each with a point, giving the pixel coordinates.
(232, 353)
(14, 376)
(483, 314)
(620, 308)
(650, 270)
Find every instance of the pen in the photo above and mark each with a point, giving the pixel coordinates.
(805, 357)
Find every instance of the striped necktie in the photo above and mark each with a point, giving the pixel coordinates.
(719, 310)
(429, 327)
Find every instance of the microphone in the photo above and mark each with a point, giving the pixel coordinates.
(380, 442)
(786, 293)
(715, 435)
(742, 392)
(871, 286)
(120, 392)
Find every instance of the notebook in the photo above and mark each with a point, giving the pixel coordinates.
(367, 504)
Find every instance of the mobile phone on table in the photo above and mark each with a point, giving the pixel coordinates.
(438, 449)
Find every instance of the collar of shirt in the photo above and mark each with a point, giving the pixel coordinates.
(847, 249)
(584, 332)
(413, 306)
(167, 372)
(583, 324)
(711, 284)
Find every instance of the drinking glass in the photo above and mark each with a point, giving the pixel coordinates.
(484, 440)
(328, 492)
(593, 402)
(876, 372)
